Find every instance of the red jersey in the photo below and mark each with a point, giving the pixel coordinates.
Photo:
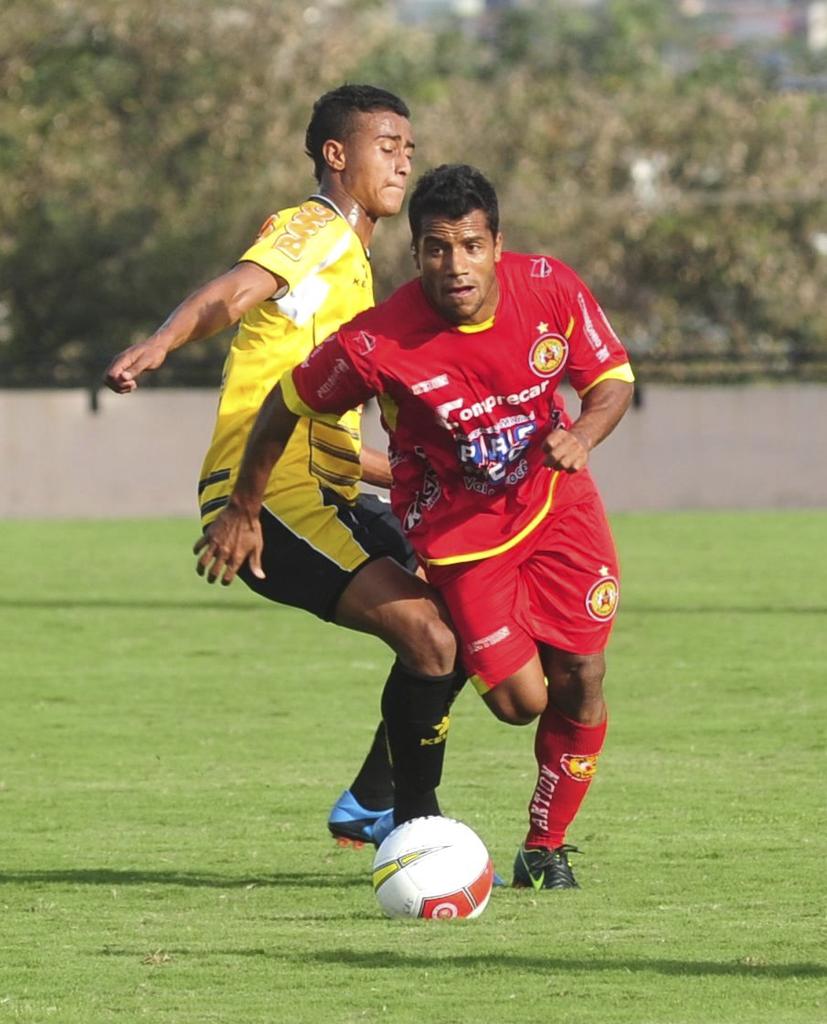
(468, 407)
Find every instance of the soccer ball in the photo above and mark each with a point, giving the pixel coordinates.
(433, 867)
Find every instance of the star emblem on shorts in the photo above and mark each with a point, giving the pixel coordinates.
(603, 570)
(542, 327)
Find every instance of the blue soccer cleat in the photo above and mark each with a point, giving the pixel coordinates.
(351, 824)
(382, 828)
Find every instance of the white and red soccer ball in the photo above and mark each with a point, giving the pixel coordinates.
(433, 867)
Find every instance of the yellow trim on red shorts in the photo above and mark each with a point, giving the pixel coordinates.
(475, 556)
(480, 685)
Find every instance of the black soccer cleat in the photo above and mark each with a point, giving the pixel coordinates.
(538, 868)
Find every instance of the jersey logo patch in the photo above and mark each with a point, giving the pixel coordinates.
(366, 343)
(540, 267)
(306, 222)
(424, 499)
(602, 598)
(591, 331)
(424, 386)
(488, 641)
(495, 454)
(339, 369)
(548, 355)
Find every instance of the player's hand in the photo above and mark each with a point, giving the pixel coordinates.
(232, 538)
(123, 372)
(564, 450)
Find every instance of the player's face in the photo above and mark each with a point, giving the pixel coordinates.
(377, 162)
(457, 265)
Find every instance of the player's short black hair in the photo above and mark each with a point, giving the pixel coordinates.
(452, 191)
(332, 116)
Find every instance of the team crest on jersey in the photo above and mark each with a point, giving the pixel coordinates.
(580, 767)
(548, 354)
(602, 598)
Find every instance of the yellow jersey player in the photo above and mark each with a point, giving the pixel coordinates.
(328, 548)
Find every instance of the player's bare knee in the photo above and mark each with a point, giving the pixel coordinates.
(589, 684)
(429, 645)
(529, 705)
(581, 672)
(576, 687)
(512, 715)
(515, 708)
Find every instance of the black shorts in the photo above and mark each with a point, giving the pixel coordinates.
(300, 572)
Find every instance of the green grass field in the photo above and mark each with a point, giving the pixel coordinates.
(170, 751)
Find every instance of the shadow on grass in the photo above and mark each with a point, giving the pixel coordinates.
(565, 964)
(110, 877)
(494, 961)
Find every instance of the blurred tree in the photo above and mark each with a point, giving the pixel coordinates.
(142, 144)
(687, 190)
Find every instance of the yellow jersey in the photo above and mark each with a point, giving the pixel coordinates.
(329, 281)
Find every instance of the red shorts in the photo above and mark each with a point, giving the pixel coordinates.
(559, 586)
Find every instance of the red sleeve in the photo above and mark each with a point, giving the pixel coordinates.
(594, 348)
(326, 383)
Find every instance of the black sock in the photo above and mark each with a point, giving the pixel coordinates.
(415, 709)
(373, 786)
(460, 678)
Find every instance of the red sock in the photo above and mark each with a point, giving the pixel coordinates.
(566, 753)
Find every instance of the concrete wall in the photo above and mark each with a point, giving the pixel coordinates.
(139, 455)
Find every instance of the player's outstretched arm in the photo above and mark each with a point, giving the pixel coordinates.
(235, 534)
(601, 410)
(216, 305)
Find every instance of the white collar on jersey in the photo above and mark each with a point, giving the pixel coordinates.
(329, 202)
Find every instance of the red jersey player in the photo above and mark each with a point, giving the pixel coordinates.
(489, 475)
